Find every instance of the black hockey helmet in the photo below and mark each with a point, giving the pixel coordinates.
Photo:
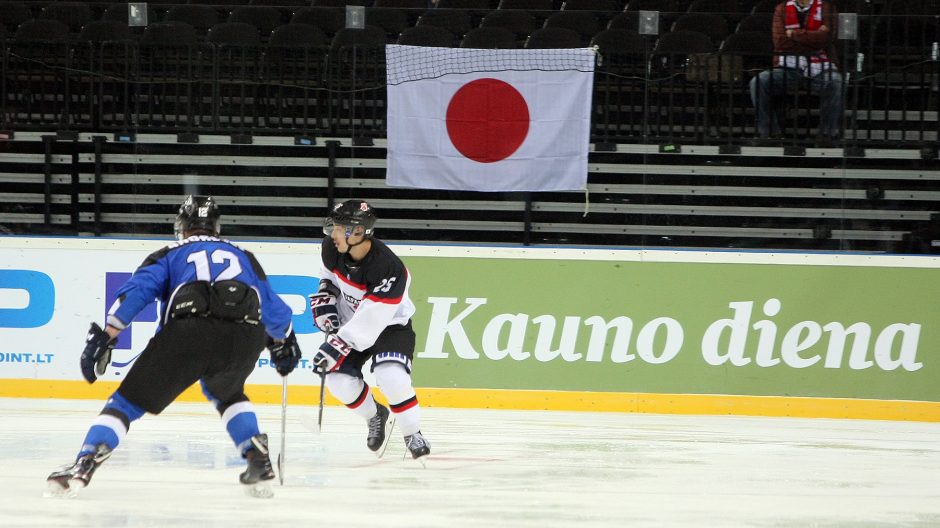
(351, 213)
(197, 213)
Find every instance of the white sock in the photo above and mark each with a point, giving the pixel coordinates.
(395, 383)
(353, 392)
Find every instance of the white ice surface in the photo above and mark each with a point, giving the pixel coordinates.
(487, 468)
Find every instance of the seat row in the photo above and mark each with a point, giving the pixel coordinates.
(205, 14)
(615, 38)
(202, 16)
(500, 29)
(393, 22)
(727, 6)
(708, 16)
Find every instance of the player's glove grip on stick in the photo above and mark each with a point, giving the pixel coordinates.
(285, 355)
(331, 354)
(97, 353)
(323, 307)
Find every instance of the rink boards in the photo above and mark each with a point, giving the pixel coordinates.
(692, 332)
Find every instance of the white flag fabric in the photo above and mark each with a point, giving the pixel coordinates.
(488, 120)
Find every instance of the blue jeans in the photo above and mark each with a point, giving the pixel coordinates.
(778, 81)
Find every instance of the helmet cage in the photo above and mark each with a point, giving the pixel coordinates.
(350, 229)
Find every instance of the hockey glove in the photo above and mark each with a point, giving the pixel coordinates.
(331, 355)
(97, 353)
(323, 307)
(285, 354)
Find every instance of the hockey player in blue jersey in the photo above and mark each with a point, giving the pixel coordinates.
(217, 313)
(364, 307)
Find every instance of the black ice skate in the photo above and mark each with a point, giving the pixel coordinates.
(380, 430)
(259, 469)
(70, 479)
(419, 447)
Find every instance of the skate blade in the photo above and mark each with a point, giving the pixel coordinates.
(389, 428)
(259, 490)
(423, 460)
(55, 490)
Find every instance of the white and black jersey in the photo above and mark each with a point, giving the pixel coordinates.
(373, 292)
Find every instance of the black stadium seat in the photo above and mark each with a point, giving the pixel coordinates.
(329, 19)
(41, 30)
(367, 37)
(684, 42)
(105, 31)
(169, 34)
(715, 26)
(12, 14)
(392, 20)
(584, 23)
(200, 17)
(454, 20)
(527, 5)
(521, 23)
(234, 34)
(765, 6)
(663, 6)
(620, 41)
(403, 4)
(297, 36)
(756, 22)
(721, 7)
(476, 5)
(432, 36)
(489, 38)
(553, 37)
(590, 5)
(72, 14)
(264, 18)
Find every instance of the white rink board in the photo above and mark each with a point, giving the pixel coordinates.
(77, 267)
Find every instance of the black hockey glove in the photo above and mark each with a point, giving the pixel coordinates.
(331, 355)
(285, 355)
(97, 353)
(323, 307)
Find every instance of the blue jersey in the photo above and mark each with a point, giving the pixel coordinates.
(205, 258)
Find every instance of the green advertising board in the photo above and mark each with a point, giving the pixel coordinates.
(717, 326)
(706, 332)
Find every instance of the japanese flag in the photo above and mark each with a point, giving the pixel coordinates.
(488, 120)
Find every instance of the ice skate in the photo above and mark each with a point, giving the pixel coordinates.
(259, 471)
(419, 447)
(69, 480)
(380, 430)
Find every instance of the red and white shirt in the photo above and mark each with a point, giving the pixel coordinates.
(373, 292)
(819, 61)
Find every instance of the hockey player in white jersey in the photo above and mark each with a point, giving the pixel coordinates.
(363, 307)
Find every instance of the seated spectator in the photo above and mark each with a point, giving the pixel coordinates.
(805, 53)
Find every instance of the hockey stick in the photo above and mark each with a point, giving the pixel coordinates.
(322, 387)
(280, 456)
(320, 414)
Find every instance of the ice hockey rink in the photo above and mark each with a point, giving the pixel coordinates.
(487, 468)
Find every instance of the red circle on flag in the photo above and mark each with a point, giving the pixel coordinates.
(487, 120)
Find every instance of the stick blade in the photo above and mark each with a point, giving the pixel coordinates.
(280, 468)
